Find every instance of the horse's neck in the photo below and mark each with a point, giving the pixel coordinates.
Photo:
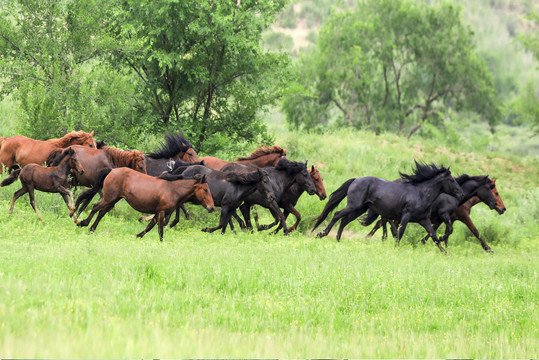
(63, 166)
(430, 189)
(65, 141)
(470, 191)
(181, 190)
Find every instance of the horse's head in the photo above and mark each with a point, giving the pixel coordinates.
(264, 185)
(189, 155)
(73, 161)
(318, 183)
(138, 162)
(303, 179)
(202, 193)
(88, 140)
(500, 206)
(450, 185)
(484, 192)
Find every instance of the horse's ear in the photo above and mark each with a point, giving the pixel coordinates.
(202, 163)
(494, 181)
(71, 150)
(204, 178)
(92, 133)
(312, 168)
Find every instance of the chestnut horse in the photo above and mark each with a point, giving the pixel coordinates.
(20, 150)
(261, 157)
(95, 161)
(149, 195)
(51, 179)
(290, 199)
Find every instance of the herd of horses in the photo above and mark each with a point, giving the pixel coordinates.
(161, 182)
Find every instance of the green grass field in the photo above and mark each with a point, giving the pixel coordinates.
(67, 293)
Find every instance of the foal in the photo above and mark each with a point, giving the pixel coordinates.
(48, 179)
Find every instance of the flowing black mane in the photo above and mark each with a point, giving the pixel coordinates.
(291, 167)
(423, 172)
(173, 145)
(56, 157)
(465, 177)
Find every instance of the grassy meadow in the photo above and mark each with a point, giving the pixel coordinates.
(65, 292)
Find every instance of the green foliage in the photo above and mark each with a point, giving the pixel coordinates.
(392, 65)
(204, 70)
(278, 40)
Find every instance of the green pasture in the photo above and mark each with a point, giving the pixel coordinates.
(65, 292)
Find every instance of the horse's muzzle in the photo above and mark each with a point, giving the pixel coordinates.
(501, 211)
(322, 197)
(81, 172)
(210, 209)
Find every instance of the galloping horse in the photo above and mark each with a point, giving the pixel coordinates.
(20, 150)
(282, 177)
(230, 189)
(408, 202)
(174, 149)
(290, 199)
(148, 194)
(261, 157)
(51, 179)
(442, 207)
(96, 160)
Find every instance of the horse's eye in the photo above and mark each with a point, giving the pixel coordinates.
(91, 146)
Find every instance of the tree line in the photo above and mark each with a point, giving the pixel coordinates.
(135, 67)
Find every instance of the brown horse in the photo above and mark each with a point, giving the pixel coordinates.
(261, 157)
(20, 150)
(290, 199)
(148, 194)
(51, 179)
(461, 214)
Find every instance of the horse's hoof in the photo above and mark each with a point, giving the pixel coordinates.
(75, 221)
(489, 250)
(205, 229)
(320, 235)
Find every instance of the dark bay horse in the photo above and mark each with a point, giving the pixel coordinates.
(20, 150)
(410, 201)
(261, 157)
(282, 177)
(290, 199)
(175, 149)
(148, 194)
(53, 179)
(95, 161)
(231, 188)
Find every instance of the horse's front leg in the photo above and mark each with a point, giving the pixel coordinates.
(448, 228)
(150, 226)
(428, 226)
(466, 219)
(402, 227)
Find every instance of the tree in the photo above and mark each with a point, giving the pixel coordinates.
(392, 65)
(200, 65)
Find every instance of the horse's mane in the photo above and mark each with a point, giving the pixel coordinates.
(243, 178)
(100, 144)
(264, 151)
(121, 158)
(173, 145)
(170, 177)
(291, 167)
(56, 157)
(68, 139)
(423, 172)
(465, 177)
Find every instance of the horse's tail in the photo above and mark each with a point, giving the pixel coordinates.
(334, 200)
(89, 194)
(11, 178)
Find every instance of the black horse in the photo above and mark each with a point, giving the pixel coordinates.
(175, 148)
(446, 205)
(282, 177)
(407, 202)
(230, 189)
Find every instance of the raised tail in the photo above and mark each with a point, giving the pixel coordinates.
(87, 196)
(334, 200)
(11, 178)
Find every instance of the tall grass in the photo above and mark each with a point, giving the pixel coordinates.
(68, 293)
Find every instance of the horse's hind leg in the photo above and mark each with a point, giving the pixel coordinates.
(17, 195)
(105, 209)
(341, 214)
(33, 201)
(345, 221)
(377, 226)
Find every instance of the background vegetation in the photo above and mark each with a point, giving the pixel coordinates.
(68, 293)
